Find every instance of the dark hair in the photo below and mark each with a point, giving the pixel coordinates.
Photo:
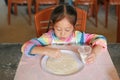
(64, 11)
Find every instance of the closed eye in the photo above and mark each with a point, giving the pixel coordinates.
(67, 30)
(58, 29)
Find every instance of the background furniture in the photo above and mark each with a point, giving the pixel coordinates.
(81, 19)
(15, 2)
(43, 16)
(118, 25)
(42, 20)
(45, 2)
(93, 8)
(117, 4)
(107, 4)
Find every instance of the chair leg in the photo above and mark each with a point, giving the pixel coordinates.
(9, 11)
(90, 11)
(15, 9)
(116, 10)
(96, 13)
(36, 7)
(96, 18)
(118, 25)
(93, 11)
(29, 10)
(106, 13)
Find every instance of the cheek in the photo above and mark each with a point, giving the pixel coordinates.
(57, 33)
(69, 33)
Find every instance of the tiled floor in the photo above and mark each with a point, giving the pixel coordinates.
(20, 30)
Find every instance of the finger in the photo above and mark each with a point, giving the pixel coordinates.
(91, 56)
(90, 60)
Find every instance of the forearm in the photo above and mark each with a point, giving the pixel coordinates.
(98, 49)
(39, 50)
(51, 52)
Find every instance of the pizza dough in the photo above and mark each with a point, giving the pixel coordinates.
(66, 64)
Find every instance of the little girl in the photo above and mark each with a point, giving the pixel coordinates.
(63, 19)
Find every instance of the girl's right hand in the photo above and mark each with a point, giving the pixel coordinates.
(52, 52)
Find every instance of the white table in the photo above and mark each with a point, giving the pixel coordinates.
(102, 69)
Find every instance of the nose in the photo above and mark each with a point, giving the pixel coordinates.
(62, 34)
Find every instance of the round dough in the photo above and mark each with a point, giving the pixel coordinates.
(66, 64)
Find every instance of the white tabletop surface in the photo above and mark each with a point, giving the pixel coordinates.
(102, 69)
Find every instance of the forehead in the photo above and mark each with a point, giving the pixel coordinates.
(63, 23)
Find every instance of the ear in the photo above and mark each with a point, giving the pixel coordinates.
(51, 24)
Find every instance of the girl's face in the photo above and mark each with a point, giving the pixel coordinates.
(63, 29)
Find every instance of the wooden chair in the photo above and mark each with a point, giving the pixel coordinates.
(107, 4)
(81, 19)
(45, 2)
(41, 20)
(43, 16)
(15, 2)
(92, 4)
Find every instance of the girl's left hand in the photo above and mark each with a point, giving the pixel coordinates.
(94, 53)
(91, 58)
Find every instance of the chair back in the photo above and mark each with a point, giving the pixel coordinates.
(43, 16)
(84, 2)
(44, 2)
(47, 1)
(81, 20)
(42, 20)
(19, 1)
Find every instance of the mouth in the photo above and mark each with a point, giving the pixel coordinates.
(62, 38)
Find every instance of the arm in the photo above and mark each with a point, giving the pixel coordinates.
(51, 52)
(98, 43)
(33, 47)
(37, 46)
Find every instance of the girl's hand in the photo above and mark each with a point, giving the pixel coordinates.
(52, 52)
(91, 58)
(94, 53)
